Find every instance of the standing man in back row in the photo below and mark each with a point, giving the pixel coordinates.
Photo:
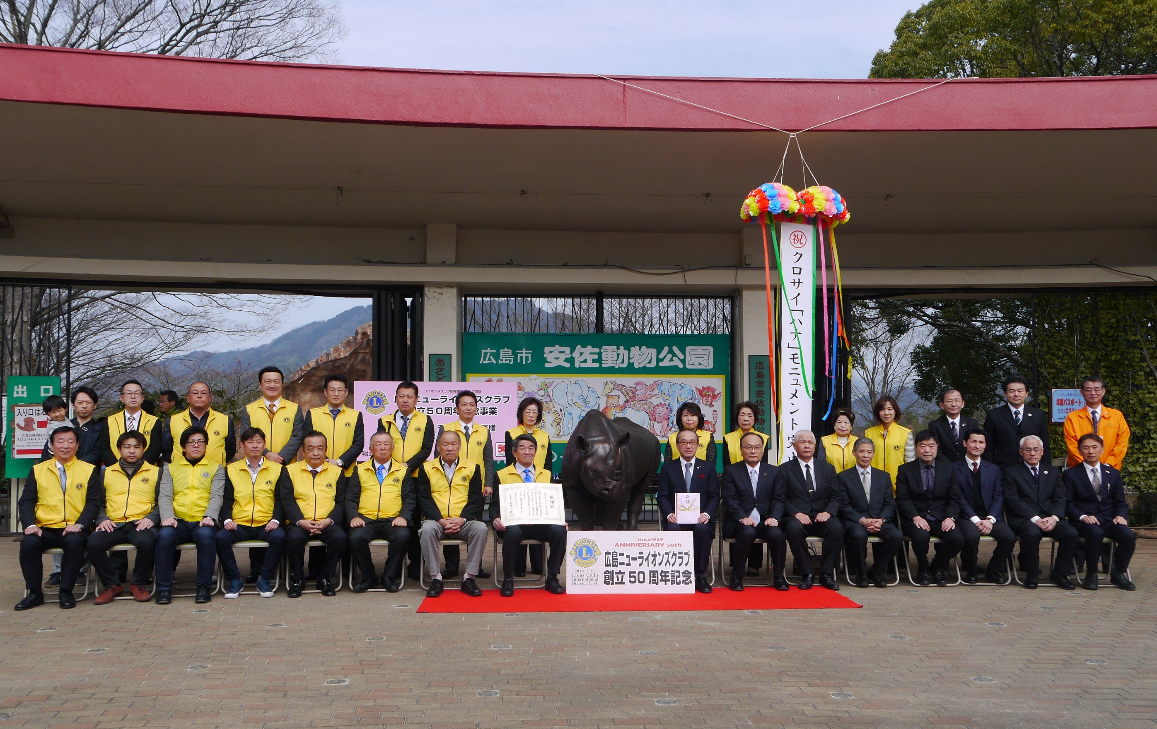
(1100, 420)
(131, 418)
(950, 427)
(222, 442)
(1004, 426)
(413, 434)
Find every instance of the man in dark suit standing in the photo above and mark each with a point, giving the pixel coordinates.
(689, 474)
(752, 509)
(1034, 499)
(867, 509)
(982, 506)
(811, 507)
(950, 427)
(1096, 508)
(928, 497)
(1004, 426)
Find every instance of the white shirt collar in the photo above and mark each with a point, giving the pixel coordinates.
(1030, 467)
(681, 458)
(969, 461)
(1089, 469)
(273, 403)
(1096, 410)
(1015, 409)
(259, 464)
(451, 466)
(802, 462)
(464, 425)
(863, 471)
(953, 420)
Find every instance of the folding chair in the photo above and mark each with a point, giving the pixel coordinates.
(217, 578)
(811, 543)
(535, 582)
(354, 566)
(313, 543)
(873, 540)
(1112, 552)
(86, 572)
(422, 561)
(1011, 566)
(723, 543)
(249, 544)
(1052, 558)
(931, 542)
(126, 547)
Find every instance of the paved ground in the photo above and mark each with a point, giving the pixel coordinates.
(935, 656)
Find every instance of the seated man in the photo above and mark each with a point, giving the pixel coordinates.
(811, 496)
(58, 506)
(690, 474)
(312, 494)
(129, 514)
(1034, 499)
(380, 501)
(252, 511)
(982, 504)
(523, 470)
(928, 497)
(450, 494)
(752, 509)
(1096, 508)
(868, 510)
(192, 491)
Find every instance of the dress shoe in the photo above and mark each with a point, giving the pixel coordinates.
(507, 589)
(204, 595)
(1090, 582)
(736, 583)
(67, 600)
(520, 573)
(827, 581)
(31, 600)
(806, 582)
(940, 578)
(251, 578)
(449, 574)
(364, 585)
(878, 580)
(484, 575)
(1062, 582)
(471, 588)
(296, 588)
(140, 593)
(1121, 580)
(996, 578)
(779, 582)
(436, 588)
(53, 580)
(861, 580)
(326, 586)
(164, 597)
(107, 596)
(701, 584)
(923, 579)
(970, 579)
(1030, 583)
(553, 586)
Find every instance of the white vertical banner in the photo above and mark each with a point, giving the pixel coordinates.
(797, 305)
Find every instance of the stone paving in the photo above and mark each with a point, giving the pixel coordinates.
(985, 656)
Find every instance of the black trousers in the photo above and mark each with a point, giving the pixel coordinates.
(398, 537)
(553, 534)
(704, 536)
(32, 549)
(950, 544)
(186, 531)
(1005, 543)
(145, 540)
(269, 562)
(856, 545)
(1030, 538)
(797, 533)
(295, 541)
(414, 546)
(745, 537)
(1095, 536)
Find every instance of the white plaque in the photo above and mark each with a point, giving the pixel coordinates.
(532, 503)
(687, 508)
(630, 562)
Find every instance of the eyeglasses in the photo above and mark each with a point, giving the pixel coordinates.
(196, 441)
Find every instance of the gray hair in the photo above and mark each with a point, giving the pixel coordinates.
(864, 441)
(454, 433)
(798, 433)
(1024, 441)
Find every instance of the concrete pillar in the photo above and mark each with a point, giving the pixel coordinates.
(442, 323)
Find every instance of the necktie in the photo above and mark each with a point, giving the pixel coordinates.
(687, 466)
(1016, 416)
(1096, 420)
(63, 477)
(1035, 476)
(130, 423)
(313, 472)
(381, 473)
(527, 475)
(405, 425)
(866, 479)
(1097, 482)
(929, 480)
(753, 474)
(807, 477)
(955, 431)
(335, 412)
(272, 410)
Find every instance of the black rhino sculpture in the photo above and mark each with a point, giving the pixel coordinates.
(606, 467)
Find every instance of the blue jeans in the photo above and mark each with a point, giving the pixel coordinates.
(226, 539)
(186, 532)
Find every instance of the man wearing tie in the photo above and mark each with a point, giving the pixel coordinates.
(867, 510)
(132, 418)
(982, 506)
(928, 497)
(1004, 426)
(312, 496)
(1100, 419)
(752, 509)
(812, 498)
(1034, 498)
(950, 427)
(689, 474)
(413, 433)
(380, 502)
(1096, 508)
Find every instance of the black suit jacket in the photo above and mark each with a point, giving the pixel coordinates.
(856, 506)
(737, 499)
(796, 496)
(951, 449)
(1023, 499)
(912, 501)
(1081, 498)
(991, 488)
(1004, 435)
(704, 480)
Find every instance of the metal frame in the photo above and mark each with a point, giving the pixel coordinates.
(441, 543)
(723, 572)
(537, 582)
(1052, 559)
(378, 543)
(810, 541)
(908, 563)
(250, 544)
(314, 591)
(872, 540)
(1097, 571)
(85, 572)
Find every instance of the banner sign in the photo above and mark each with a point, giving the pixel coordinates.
(759, 389)
(797, 299)
(27, 430)
(532, 503)
(497, 406)
(629, 562)
(1064, 401)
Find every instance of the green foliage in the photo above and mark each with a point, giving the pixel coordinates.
(951, 361)
(1022, 38)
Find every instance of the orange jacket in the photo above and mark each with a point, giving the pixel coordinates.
(1112, 428)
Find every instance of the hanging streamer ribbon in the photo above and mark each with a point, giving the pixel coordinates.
(763, 220)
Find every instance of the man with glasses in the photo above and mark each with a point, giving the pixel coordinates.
(1034, 499)
(812, 497)
(132, 418)
(689, 474)
(380, 504)
(1099, 419)
(753, 509)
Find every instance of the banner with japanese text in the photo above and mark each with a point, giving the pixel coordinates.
(797, 299)
(629, 562)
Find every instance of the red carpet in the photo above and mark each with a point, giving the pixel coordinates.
(541, 601)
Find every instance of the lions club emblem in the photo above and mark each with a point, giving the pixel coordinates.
(375, 402)
(585, 552)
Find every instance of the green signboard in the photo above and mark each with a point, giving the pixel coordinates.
(27, 425)
(441, 368)
(759, 379)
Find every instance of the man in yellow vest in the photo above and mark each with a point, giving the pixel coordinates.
(380, 504)
(450, 493)
(477, 446)
(131, 418)
(252, 511)
(128, 515)
(192, 490)
(222, 446)
(523, 470)
(413, 433)
(312, 497)
(58, 506)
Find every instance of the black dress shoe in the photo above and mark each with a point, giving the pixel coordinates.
(204, 595)
(484, 575)
(436, 588)
(520, 573)
(1062, 582)
(701, 584)
(940, 578)
(53, 580)
(827, 581)
(1030, 583)
(31, 600)
(449, 574)
(1090, 581)
(995, 578)
(164, 597)
(806, 582)
(507, 589)
(879, 581)
(364, 585)
(326, 587)
(296, 588)
(471, 588)
(1121, 580)
(250, 578)
(971, 578)
(67, 600)
(391, 584)
(553, 586)
(736, 583)
(861, 580)
(780, 583)
(923, 579)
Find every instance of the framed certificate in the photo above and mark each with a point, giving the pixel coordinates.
(532, 503)
(687, 508)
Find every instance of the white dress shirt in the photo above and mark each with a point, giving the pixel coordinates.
(753, 474)
(1089, 471)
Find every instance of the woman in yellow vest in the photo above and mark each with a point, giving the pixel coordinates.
(689, 416)
(530, 413)
(746, 415)
(838, 445)
(894, 445)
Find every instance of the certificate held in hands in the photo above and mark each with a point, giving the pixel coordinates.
(532, 503)
(686, 508)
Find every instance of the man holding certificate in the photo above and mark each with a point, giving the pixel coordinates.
(688, 497)
(522, 506)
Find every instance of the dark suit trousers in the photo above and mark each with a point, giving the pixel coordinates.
(295, 540)
(797, 533)
(951, 542)
(1005, 543)
(704, 535)
(553, 534)
(745, 537)
(856, 537)
(185, 532)
(31, 557)
(359, 545)
(145, 542)
(270, 561)
(1095, 535)
(1030, 537)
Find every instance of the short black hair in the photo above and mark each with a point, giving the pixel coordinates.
(132, 435)
(170, 395)
(525, 438)
(65, 429)
(53, 402)
(951, 389)
(190, 432)
(266, 370)
(126, 383)
(464, 393)
(527, 402)
(85, 389)
(335, 377)
(148, 406)
(750, 406)
(1090, 436)
(743, 438)
(250, 433)
(689, 407)
(314, 434)
(1089, 379)
(1011, 381)
(969, 432)
(923, 435)
(406, 385)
